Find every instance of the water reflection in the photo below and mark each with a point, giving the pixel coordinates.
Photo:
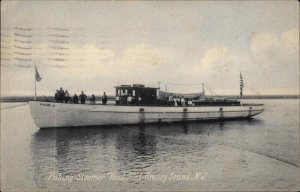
(143, 143)
(136, 149)
(140, 148)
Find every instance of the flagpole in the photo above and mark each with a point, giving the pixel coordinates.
(35, 82)
(241, 85)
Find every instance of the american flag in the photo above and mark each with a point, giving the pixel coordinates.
(241, 85)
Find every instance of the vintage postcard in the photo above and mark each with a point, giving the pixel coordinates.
(150, 95)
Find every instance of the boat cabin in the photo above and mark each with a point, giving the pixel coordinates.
(137, 94)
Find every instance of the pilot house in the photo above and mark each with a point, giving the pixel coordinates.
(136, 94)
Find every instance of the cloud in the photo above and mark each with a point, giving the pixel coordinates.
(274, 60)
(272, 63)
(265, 44)
(6, 5)
(141, 55)
(290, 41)
(215, 60)
(79, 65)
(271, 57)
(140, 62)
(90, 61)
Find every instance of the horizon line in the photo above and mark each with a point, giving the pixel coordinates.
(234, 95)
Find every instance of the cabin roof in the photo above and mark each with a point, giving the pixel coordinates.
(134, 86)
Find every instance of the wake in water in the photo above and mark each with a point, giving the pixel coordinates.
(14, 106)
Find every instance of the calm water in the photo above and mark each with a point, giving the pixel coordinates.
(261, 154)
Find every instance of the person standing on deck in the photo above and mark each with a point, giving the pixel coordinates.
(93, 99)
(104, 99)
(75, 99)
(129, 99)
(175, 101)
(56, 96)
(82, 97)
(61, 95)
(117, 99)
(139, 100)
(182, 101)
(171, 102)
(190, 102)
(67, 96)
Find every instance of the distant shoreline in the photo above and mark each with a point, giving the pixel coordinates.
(51, 98)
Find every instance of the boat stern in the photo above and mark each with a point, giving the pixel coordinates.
(254, 109)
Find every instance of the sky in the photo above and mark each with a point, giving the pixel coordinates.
(95, 45)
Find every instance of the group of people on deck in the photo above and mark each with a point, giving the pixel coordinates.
(179, 101)
(63, 96)
(129, 100)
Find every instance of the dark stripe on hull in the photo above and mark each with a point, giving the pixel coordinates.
(157, 122)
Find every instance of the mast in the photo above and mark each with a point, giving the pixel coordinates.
(203, 90)
(34, 82)
(157, 91)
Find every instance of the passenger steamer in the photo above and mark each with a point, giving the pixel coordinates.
(148, 105)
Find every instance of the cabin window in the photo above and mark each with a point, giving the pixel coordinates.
(133, 92)
(124, 92)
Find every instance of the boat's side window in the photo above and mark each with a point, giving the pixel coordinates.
(133, 92)
(124, 92)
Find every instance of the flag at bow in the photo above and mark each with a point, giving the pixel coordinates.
(241, 85)
(37, 75)
(37, 79)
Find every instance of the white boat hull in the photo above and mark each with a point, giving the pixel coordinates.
(48, 114)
